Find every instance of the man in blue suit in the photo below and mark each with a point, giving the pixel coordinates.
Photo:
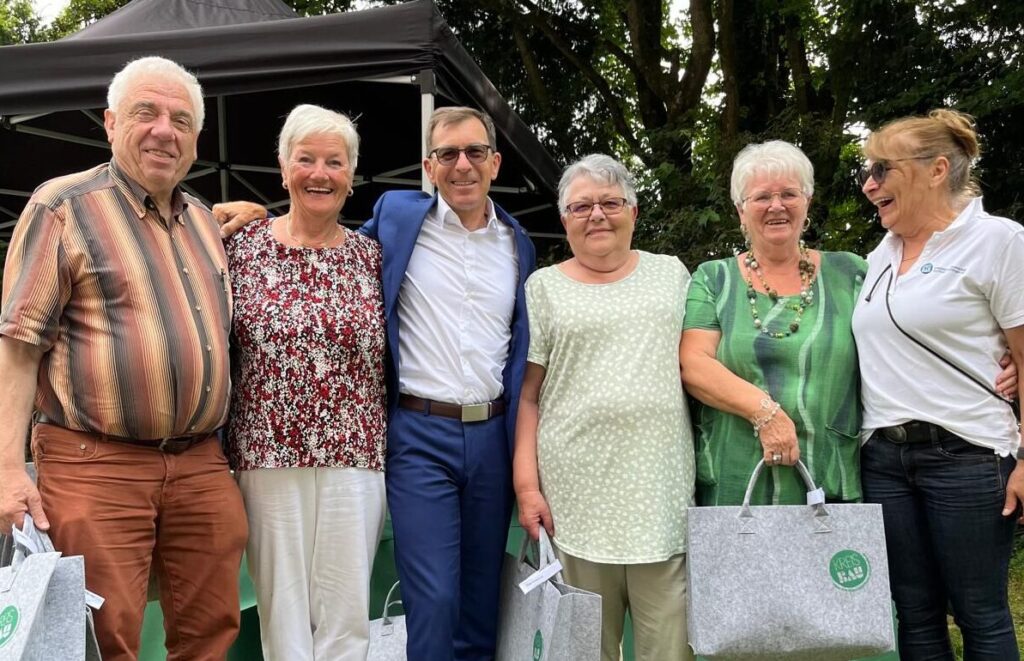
(454, 265)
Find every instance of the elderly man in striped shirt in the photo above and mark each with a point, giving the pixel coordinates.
(114, 327)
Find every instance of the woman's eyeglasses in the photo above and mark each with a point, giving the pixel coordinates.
(610, 207)
(449, 155)
(790, 197)
(879, 169)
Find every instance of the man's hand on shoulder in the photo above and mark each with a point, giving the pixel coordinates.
(233, 216)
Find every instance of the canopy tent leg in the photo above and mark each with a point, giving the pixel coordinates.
(427, 88)
(222, 147)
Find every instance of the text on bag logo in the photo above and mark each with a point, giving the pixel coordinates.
(8, 624)
(850, 570)
(538, 645)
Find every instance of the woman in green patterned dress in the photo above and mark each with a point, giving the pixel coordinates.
(767, 346)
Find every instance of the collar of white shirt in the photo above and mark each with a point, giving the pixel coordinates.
(894, 242)
(445, 215)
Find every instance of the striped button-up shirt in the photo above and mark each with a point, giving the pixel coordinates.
(131, 310)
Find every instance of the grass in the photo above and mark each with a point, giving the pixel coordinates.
(1016, 591)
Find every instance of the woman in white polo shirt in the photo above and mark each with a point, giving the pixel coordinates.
(942, 300)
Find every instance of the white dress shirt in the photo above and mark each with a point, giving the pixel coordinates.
(455, 309)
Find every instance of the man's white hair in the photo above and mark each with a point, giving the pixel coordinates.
(158, 69)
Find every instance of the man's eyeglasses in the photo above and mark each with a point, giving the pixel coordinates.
(610, 207)
(449, 155)
(789, 197)
(879, 169)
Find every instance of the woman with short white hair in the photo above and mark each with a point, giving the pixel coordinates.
(768, 347)
(307, 431)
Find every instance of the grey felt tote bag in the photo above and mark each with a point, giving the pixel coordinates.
(388, 635)
(788, 582)
(43, 611)
(540, 617)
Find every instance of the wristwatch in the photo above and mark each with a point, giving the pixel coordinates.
(1020, 451)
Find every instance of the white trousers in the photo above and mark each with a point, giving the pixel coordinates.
(313, 533)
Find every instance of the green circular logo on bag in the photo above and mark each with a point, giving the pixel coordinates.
(538, 645)
(8, 624)
(850, 570)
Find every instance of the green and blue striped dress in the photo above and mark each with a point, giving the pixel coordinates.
(812, 374)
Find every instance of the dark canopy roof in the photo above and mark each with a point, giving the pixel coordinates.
(145, 16)
(372, 64)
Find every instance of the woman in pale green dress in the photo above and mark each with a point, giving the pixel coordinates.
(767, 346)
(604, 452)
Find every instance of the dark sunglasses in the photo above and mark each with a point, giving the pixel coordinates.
(879, 169)
(449, 155)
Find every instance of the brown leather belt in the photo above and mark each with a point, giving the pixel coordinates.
(463, 412)
(170, 445)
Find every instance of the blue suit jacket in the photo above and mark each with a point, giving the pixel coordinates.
(396, 222)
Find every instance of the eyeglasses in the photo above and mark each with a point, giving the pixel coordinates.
(789, 197)
(610, 207)
(450, 155)
(879, 169)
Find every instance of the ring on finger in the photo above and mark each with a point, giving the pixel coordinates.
(776, 458)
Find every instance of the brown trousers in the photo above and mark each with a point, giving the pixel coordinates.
(130, 510)
(654, 594)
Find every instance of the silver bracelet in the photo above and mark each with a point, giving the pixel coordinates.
(772, 408)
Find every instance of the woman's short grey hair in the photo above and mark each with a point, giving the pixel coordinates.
(774, 158)
(156, 69)
(306, 119)
(602, 169)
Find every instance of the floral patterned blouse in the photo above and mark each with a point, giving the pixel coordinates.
(308, 353)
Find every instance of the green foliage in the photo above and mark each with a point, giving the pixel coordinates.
(19, 22)
(807, 71)
(319, 7)
(78, 14)
(677, 98)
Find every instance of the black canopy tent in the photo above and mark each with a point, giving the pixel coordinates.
(386, 67)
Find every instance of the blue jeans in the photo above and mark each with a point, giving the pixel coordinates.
(947, 541)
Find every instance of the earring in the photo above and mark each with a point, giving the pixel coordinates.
(351, 192)
(746, 235)
(284, 185)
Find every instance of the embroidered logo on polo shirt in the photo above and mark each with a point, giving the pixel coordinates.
(538, 646)
(929, 268)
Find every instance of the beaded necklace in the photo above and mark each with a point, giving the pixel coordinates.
(807, 273)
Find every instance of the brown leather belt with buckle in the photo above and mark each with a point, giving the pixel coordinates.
(463, 412)
(170, 445)
(915, 431)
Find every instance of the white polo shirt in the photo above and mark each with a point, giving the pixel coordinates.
(966, 286)
(455, 309)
